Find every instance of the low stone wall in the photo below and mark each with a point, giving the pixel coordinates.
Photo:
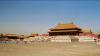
(85, 39)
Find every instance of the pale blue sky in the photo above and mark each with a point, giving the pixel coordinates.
(23, 17)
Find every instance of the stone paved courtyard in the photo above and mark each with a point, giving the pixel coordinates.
(50, 49)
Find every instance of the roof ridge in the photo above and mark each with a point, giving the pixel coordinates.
(67, 23)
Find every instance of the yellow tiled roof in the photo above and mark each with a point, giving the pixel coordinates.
(65, 26)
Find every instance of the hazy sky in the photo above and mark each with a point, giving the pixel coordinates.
(24, 17)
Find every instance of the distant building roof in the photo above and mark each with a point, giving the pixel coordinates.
(86, 31)
(11, 35)
(65, 26)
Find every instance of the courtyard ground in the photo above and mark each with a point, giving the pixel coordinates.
(50, 49)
